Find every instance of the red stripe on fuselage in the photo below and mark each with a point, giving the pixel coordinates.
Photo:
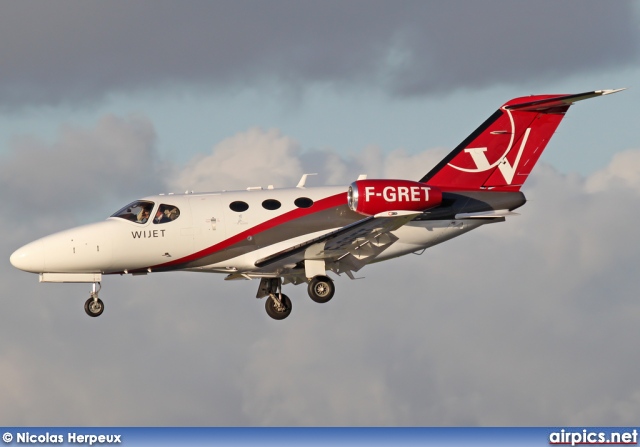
(320, 205)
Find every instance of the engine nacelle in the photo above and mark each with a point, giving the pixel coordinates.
(370, 197)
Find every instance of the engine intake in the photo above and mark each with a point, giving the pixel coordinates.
(370, 197)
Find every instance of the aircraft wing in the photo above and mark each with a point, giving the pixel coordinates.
(348, 248)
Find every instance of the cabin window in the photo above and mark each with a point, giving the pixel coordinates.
(239, 206)
(303, 202)
(166, 213)
(271, 204)
(138, 211)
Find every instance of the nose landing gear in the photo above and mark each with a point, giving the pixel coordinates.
(94, 305)
(278, 305)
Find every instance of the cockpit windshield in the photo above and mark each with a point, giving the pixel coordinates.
(138, 211)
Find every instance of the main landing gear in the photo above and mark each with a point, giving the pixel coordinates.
(278, 305)
(321, 289)
(94, 305)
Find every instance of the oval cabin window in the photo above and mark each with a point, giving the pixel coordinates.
(271, 204)
(239, 206)
(303, 202)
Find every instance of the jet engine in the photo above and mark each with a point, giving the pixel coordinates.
(371, 197)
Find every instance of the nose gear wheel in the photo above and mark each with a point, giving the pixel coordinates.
(278, 307)
(94, 305)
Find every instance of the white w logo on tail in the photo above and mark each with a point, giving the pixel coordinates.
(479, 156)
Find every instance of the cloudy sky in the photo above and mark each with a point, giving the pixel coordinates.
(530, 322)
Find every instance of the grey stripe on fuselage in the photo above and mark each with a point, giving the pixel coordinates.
(324, 220)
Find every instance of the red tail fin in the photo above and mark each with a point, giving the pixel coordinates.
(501, 153)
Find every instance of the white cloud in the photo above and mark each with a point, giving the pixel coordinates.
(253, 158)
(623, 172)
(400, 164)
(258, 157)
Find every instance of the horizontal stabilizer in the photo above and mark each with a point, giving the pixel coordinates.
(398, 213)
(486, 214)
(549, 104)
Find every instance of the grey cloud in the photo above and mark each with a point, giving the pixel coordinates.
(83, 171)
(73, 51)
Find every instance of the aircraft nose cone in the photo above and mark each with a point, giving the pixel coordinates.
(29, 258)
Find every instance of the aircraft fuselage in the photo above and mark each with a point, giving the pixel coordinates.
(209, 236)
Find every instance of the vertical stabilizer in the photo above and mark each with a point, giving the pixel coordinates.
(501, 153)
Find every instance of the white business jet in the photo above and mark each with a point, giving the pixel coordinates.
(297, 235)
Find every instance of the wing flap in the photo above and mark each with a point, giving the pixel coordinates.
(363, 237)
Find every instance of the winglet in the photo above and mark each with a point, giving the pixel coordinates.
(608, 92)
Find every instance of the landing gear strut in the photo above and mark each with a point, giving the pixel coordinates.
(94, 305)
(278, 305)
(321, 289)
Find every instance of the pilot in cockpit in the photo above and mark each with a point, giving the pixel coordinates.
(166, 213)
(143, 215)
(161, 216)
